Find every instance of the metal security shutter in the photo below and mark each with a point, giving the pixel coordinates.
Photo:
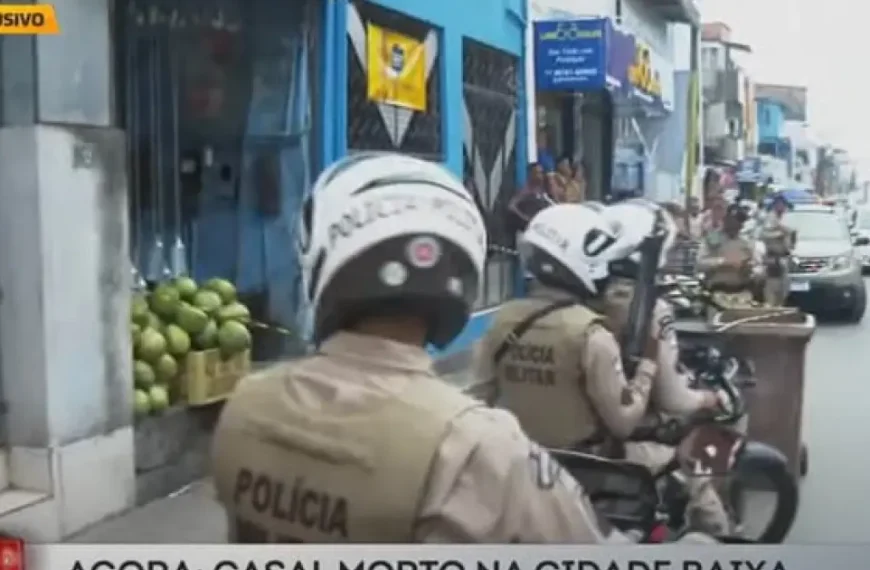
(490, 78)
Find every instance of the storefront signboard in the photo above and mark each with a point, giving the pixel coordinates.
(636, 73)
(620, 56)
(595, 53)
(642, 76)
(570, 55)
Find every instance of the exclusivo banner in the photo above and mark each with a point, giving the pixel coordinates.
(15, 555)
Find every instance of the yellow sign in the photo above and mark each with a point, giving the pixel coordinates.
(641, 73)
(396, 69)
(28, 19)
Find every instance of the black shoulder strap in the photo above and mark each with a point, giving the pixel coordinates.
(524, 326)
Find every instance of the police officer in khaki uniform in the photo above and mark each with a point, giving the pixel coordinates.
(553, 360)
(728, 260)
(778, 241)
(632, 222)
(361, 442)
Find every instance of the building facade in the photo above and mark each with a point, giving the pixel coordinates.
(771, 118)
(777, 107)
(606, 108)
(804, 155)
(203, 124)
(724, 86)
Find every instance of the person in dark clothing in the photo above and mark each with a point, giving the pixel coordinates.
(533, 198)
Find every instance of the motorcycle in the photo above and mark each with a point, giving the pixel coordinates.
(651, 505)
(690, 299)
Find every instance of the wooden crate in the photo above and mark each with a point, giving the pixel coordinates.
(209, 378)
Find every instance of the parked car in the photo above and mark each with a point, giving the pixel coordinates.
(825, 273)
(843, 209)
(861, 233)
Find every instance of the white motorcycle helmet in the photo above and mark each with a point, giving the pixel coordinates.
(631, 222)
(594, 205)
(385, 234)
(567, 246)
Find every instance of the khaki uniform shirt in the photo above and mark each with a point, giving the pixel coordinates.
(778, 244)
(564, 378)
(362, 443)
(715, 250)
(671, 392)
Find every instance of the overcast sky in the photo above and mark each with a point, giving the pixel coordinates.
(817, 43)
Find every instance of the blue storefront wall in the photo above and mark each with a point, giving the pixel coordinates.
(497, 23)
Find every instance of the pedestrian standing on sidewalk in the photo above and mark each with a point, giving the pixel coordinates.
(534, 197)
(566, 187)
(694, 219)
(713, 218)
(574, 180)
(712, 185)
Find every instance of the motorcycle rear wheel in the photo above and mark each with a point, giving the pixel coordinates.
(765, 468)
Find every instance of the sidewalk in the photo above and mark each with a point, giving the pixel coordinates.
(190, 516)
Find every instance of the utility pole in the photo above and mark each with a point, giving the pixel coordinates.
(694, 148)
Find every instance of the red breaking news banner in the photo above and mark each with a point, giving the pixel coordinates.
(11, 553)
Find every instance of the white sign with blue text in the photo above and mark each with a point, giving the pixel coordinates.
(570, 55)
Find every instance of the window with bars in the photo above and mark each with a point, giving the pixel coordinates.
(490, 82)
(378, 126)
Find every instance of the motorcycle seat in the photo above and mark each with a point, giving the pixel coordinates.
(624, 493)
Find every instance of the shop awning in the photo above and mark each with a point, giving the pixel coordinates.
(677, 10)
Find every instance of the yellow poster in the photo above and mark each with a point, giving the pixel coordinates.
(396, 69)
(642, 74)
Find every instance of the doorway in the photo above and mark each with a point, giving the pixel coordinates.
(218, 99)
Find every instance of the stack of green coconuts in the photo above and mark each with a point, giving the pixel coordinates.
(174, 319)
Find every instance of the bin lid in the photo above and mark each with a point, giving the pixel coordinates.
(721, 323)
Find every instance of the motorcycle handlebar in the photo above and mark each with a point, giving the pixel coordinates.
(671, 432)
(738, 404)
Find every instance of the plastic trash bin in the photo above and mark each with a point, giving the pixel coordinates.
(777, 349)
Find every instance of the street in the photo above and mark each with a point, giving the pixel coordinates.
(833, 509)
